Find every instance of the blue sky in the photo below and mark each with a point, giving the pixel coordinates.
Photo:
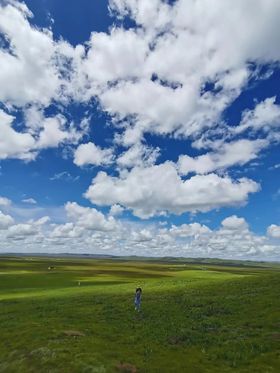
(138, 127)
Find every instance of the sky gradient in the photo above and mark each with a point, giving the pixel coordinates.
(135, 127)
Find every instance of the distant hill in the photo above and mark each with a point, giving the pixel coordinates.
(166, 259)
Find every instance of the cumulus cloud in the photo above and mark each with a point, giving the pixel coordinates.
(142, 235)
(48, 132)
(67, 230)
(186, 53)
(91, 154)
(29, 230)
(14, 144)
(234, 223)
(88, 230)
(20, 231)
(173, 74)
(265, 116)
(138, 155)
(188, 230)
(5, 201)
(52, 133)
(5, 220)
(274, 231)
(235, 245)
(153, 77)
(29, 59)
(110, 56)
(89, 218)
(227, 155)
(235, 240)
(33, 74)
(159, 189)
(35, 69)
(116, 210)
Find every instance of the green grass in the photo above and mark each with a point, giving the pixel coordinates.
(195, 317)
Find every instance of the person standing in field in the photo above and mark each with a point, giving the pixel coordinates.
(137, 299)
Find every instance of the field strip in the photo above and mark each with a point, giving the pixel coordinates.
(124, 288)
(17, 272)
(61, 292)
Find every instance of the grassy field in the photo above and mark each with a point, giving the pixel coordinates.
(194, 318)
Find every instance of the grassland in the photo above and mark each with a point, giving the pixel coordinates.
(194, 318)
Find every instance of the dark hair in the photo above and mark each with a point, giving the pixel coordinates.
(138, 289)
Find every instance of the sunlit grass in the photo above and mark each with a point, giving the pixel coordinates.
(194, 318)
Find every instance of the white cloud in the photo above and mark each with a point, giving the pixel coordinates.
(138, 155)
(275, 167)
(274, 231)
(265, 116)
(157, 109)
(28, 231)
(35, 70)
(68, 230)
(110, 56)
(5, 220)
(90, 153)
(20, 231)
(30, 200)
(54, 131)
(65, 176)
(150, 79)
(144, 12)
(233, 223)
(48, 132)
(233, 240)
(89, 218)
(43, 220)
(142, 235)
(226, 155)
(158, 189)
(116, 210)
(184, 54)
(14, 144)
(188, 230)
(87, 230)
(5, 201)
(28, 69)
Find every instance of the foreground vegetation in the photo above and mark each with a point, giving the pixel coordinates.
(77, 315)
